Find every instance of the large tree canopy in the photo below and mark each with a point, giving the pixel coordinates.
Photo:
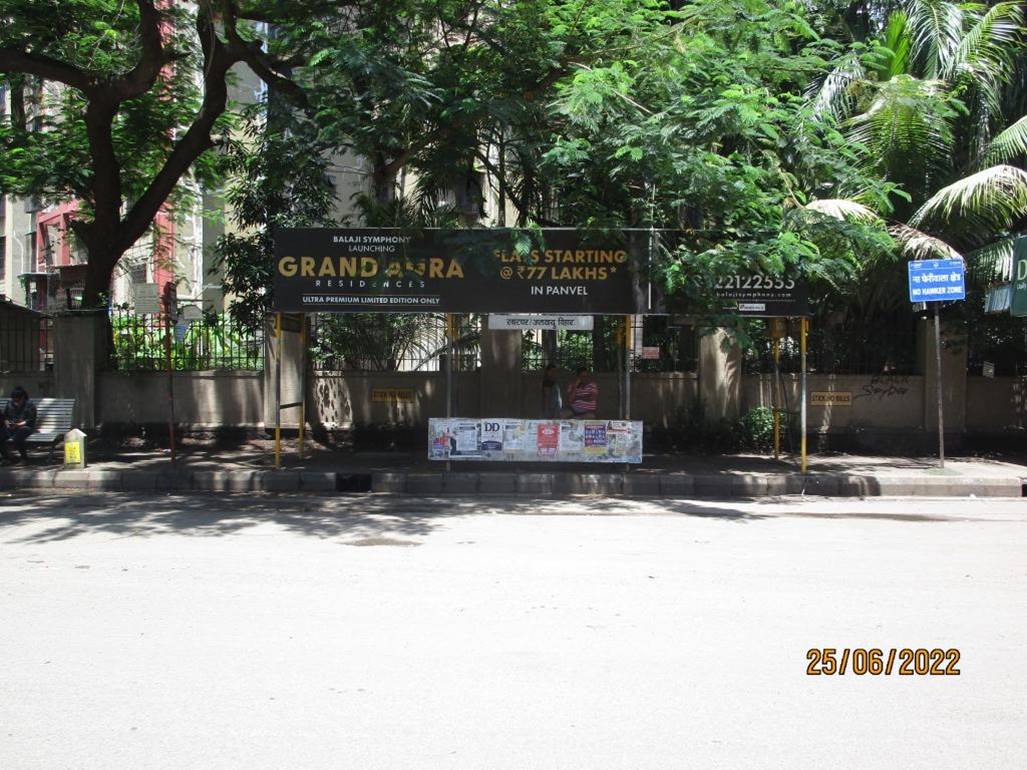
(115, 103)
(779, 135)
(597, 114)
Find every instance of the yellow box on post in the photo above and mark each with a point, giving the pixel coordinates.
(75, 449)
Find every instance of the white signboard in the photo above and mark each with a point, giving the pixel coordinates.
(191, 313)
(528, 321)
(504, 439)
(146, 299)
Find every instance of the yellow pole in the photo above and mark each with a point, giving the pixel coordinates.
(773, 399)
(802, 409)
(278, 391)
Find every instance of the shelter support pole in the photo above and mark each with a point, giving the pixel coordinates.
(278, 390)
(804, 460)
(941, 390)
(628, 344)
(775, 393)
(450, 352)
(303, 382)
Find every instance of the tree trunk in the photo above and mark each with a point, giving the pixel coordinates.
(96, 291)
(384, 182)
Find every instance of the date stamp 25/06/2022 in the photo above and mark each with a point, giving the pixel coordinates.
(874, 661)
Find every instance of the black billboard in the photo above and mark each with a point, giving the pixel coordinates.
(758, 295)
(460, 271)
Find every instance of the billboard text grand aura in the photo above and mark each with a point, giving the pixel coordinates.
(459, 271)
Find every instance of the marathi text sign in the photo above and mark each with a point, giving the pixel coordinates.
(936, 280)
(503, 439)
(457, 271)
(552, 322)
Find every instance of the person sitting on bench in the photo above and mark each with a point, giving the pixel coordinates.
(582, 396)
(19, 422)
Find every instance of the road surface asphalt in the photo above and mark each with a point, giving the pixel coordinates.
(371, 632)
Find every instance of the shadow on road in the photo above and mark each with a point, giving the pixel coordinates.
(374, 519)
(65, 516)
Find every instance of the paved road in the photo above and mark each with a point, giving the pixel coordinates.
(205, 632)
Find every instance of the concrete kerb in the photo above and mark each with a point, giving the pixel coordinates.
(555, 484)
(311, 481)
(497, 483)
(277, 481)
(93, 480)
(678, 485)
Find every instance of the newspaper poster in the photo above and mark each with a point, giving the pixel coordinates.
(465, 439)
(624, 440)
(594, 439)
(439, 440)
(514, 433)
(572, 437)
(547, 439)
(511, 440)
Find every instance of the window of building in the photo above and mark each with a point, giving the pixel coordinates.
(137, 272)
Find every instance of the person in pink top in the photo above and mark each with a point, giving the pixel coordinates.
(582, 396)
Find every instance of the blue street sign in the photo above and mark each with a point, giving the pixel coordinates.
(936, 280)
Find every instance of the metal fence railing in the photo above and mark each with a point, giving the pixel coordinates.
(999, 340)
(671, 348)
(887, 346)
(214, 341)
(676, 347)
(26, 341)
(392, 342)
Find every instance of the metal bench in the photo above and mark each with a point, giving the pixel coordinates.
(53, 420)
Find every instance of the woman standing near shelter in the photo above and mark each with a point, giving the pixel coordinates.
(582, 396)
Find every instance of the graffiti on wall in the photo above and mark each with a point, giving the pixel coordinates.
(882, 386)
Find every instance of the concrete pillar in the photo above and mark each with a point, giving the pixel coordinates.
(80, 347)
(953, 367)
(292, 363)
(500, 380)
(720, 376)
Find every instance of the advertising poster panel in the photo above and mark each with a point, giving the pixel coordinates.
(505, 439)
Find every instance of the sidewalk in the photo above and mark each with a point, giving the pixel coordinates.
(250, 468)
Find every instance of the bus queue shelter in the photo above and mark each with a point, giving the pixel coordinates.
(552, 271)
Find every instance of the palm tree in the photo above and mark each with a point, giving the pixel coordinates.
(925, 97)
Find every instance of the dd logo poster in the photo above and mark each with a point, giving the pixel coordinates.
(491, 436)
